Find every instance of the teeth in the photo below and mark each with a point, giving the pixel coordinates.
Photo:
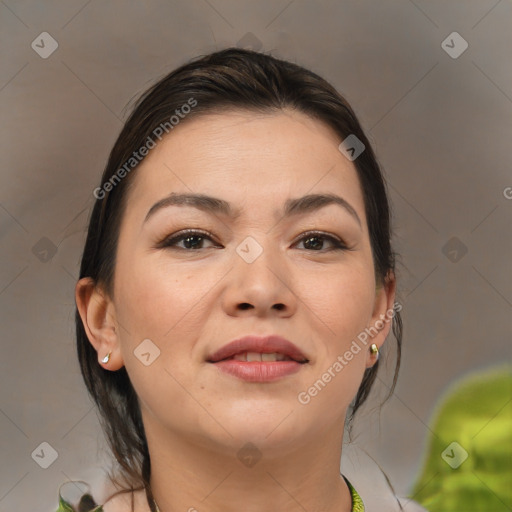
(255, 356)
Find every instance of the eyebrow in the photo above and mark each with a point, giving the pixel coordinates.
(209, 204)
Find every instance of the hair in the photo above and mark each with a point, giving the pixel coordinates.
(230, 79)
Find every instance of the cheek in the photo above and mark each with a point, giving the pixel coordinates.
(340, 305)
(158, 300)
(340, 302)
(167, 303)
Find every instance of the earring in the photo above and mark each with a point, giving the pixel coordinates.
(106, 358)
(374, 350)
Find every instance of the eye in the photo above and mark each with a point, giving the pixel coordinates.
(192, 239)
(314, 240)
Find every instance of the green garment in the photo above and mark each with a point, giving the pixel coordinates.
(468, 464)
(87, 503)
(357, 502)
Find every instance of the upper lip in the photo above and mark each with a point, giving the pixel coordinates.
(259, 344)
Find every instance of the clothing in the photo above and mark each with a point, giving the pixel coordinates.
(357, 502)
(87, 504)
(469, 459)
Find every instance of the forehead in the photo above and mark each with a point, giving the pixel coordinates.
(247, 157)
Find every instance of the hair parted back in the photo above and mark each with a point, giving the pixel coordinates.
(228, 79)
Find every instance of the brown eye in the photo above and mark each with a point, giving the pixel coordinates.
(192, 240)
(315, 241)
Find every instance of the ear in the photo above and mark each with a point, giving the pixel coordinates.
(98, 316)
(382, 316)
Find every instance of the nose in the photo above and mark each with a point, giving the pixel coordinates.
(260, 288)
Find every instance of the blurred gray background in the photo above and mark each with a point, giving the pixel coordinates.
(438, 113)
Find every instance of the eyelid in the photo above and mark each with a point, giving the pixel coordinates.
(317, 232)
(339, 243)
(165, 242)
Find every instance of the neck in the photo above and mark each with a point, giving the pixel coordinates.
(197, 476)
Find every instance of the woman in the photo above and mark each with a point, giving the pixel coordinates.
(236, 287)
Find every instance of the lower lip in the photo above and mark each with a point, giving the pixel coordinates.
(255, 371)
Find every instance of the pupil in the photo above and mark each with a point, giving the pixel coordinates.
(314, 245)
(187, 240)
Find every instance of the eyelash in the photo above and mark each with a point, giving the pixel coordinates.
(169, 242)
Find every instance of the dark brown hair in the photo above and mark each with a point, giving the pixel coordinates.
(229, 79)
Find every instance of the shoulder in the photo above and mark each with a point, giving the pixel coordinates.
(124, 501)
(372, 484)
(73, 496)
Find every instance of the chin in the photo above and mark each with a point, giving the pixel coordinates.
(267, 425)
(262, 441)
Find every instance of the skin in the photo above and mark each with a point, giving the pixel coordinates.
(190, 302)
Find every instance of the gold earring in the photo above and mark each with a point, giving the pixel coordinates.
(106, 358)
(374, 350)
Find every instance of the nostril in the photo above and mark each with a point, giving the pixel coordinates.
(245, 305)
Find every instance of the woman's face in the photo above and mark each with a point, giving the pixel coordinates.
(260, 272)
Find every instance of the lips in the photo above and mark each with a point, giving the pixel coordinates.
(248, 349)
